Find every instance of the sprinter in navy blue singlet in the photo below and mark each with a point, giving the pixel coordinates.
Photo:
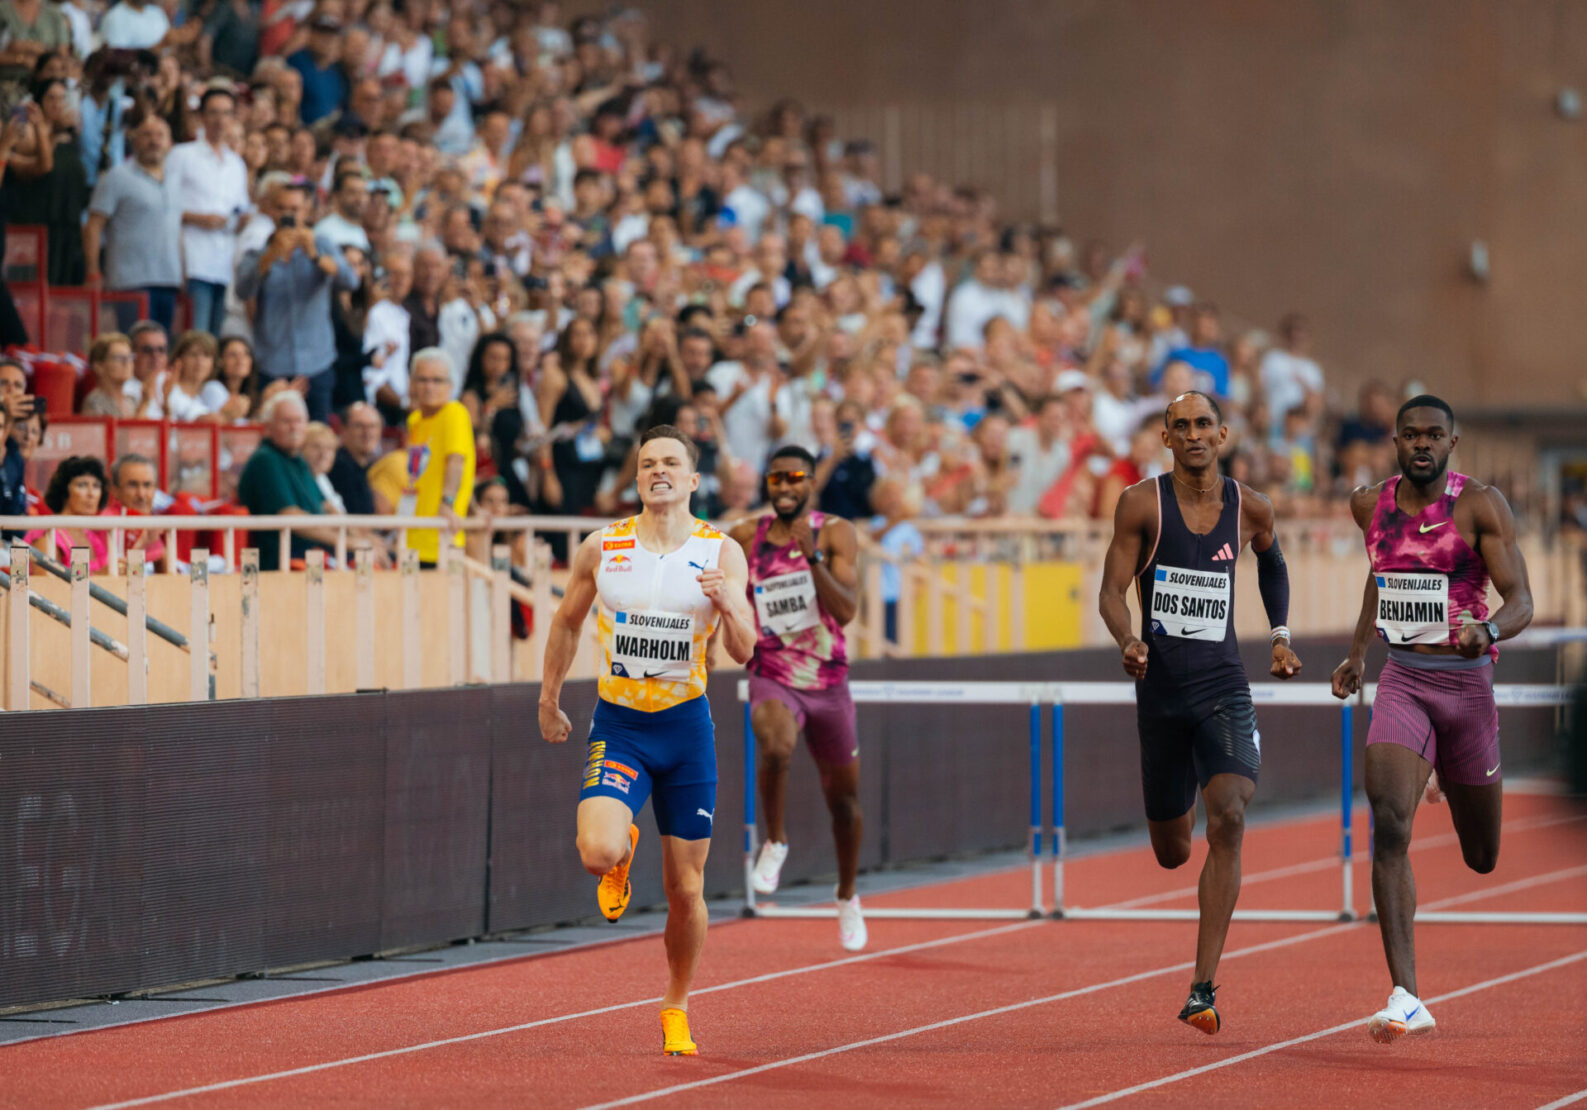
(1195, 687)
(1177, 538)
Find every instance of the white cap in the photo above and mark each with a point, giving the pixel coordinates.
(1179, 296)
(1071, 379)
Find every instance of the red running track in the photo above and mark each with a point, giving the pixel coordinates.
(1025, 1014)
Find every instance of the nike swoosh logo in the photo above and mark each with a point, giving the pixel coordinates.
(1495, 768)
(1409, 1014)
(654, 674)
(1429, 527)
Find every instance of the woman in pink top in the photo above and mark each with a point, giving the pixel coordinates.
(77, 488)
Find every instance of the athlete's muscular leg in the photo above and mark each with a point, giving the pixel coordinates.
(1476, 811)
(1225, 797)
(1171, 839)
(683, 874)
(1395, 778)
(603, 834)
(776, 737)
(841, 785)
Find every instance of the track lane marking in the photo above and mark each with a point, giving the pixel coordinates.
(1013, 1007)
(1510, 828)
(1538, 969)
(464, 1038)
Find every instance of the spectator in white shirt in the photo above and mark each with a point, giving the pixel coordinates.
(828, 261)
(1290, 378)
(211, 184)
(1116, 412)
(922, 273)
(744, 203)
(771, 259)
(135, 25)
(150, 355)
(859, 182)
(980, 299)
(345, 225)
(386, 340)
(802, 196)
(1039, 454)
(749, 391)
(185, 399)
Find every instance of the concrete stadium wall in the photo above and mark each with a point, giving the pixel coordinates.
(1335, 156)
(142, 847)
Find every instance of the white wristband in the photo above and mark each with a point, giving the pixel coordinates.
(1280, 633)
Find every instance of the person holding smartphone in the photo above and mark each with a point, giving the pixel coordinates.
(291, 279)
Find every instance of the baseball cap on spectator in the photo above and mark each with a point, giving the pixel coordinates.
(326, 22)
(1071, 379)
(1179, 296)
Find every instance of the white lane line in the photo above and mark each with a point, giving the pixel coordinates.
(1568, 1100)
(1524, 824)
(1113, 1096)
(1507, 888)
(1009, 1009)
(308, 1069)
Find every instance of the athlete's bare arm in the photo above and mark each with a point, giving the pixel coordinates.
(1256, 523)
(1133, 521)
(1495, 526)
(1347, 675)
(562, 638)
(726, 586)
(837, 580)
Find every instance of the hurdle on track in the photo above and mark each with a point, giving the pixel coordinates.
(1056, 696)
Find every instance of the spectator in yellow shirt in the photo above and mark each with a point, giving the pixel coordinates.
(440, 453)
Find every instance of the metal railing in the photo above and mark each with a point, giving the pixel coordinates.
(973, 591)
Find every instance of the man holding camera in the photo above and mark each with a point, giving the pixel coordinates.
(290, 280)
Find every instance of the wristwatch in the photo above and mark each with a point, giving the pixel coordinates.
(1493, 631)
(818, 558)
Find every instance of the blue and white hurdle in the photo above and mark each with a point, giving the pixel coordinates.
(1057, 696)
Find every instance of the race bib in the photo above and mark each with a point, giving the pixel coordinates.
(1413, 608)
(786, 604)
(1190, 604)
(652, 645)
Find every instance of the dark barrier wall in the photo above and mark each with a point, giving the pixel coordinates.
(141, 847)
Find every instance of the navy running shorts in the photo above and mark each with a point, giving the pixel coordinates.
(668, 756)
(1182, 749)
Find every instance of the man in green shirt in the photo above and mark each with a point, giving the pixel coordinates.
(278, 482)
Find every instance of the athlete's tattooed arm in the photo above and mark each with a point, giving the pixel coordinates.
(1495, 526)
(562, 638)
(1134, 527)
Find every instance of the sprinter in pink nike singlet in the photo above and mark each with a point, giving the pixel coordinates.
(1435, 539)
(804, 585)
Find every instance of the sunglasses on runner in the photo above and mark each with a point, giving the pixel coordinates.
(785, 477)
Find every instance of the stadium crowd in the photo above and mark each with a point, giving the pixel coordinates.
(578, 230)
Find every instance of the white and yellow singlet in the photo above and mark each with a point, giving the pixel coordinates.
(653, 620)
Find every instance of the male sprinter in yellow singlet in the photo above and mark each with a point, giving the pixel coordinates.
(663, 580)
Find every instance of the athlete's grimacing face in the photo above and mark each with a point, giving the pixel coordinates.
(1193, 432)
(1423, 442)
(665, 473)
